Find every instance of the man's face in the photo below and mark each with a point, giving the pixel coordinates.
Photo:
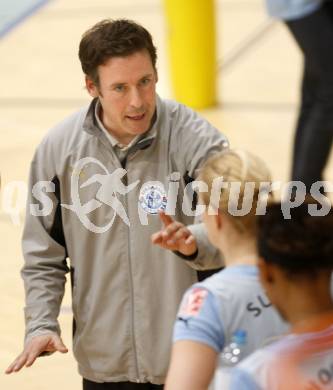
(127, 94)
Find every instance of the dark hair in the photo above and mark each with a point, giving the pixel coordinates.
(302, 244)
(113, 38)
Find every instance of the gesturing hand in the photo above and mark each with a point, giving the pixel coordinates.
(174, 236)
(34, 347)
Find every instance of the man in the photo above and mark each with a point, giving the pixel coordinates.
(125, 290)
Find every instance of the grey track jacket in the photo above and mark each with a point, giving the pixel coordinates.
(125, 290)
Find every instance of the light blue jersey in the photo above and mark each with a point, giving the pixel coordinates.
(229, 301)
(306, 359)
(292, 9)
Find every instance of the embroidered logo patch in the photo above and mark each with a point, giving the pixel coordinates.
(153, 198)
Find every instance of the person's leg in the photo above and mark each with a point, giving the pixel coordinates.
(313, 138)
(307, 103)
(330, 7)
(89, 385)
(314, 134)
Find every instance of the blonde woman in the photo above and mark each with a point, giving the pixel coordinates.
(231, 303)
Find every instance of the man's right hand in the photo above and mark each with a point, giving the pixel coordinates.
(34, 348)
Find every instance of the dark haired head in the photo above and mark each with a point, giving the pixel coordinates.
(302, 244)
(113, 38)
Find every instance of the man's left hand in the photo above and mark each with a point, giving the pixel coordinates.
(175, 236)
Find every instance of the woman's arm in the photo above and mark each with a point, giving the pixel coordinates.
(192, 366)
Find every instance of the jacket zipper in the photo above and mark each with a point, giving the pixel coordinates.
(125, 179)
(131, 283)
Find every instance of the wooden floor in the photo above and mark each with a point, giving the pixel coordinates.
(41, 83)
